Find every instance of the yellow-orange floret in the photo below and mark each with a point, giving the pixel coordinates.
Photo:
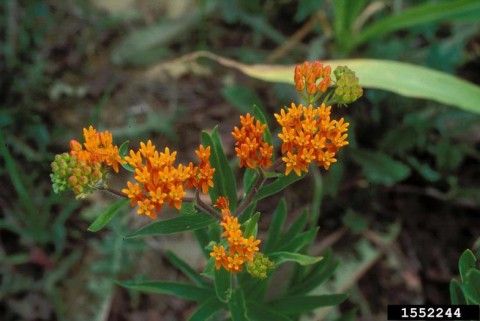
(97, 148)
(314, 77)
(158, 180)
(202, 178)
(251, 149)
(308, 134)
(240, 249)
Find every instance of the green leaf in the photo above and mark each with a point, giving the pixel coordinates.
(183, 291)
(276, 186)
(249, 177)
(281, 257)
(320, 272)
(186, 269)
(260, 312)
(206, 309)
(247, 213)
(400, 78)
(466, 262)
(279, 216)
(222, 284)
(224, 179)
(418, 15)
(237, 306)
(456, 293)
(299, 241)
(258, 113)
(297, 227)
(241, 97)
(123, 151)
(107, 215)
(174, 225)
(302, 303)
(379, 168)
(472, 286)
(251, 226)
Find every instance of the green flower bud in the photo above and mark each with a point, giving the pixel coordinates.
(260, 266)
(347, 87)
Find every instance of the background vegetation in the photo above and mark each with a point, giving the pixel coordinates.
(398, 209)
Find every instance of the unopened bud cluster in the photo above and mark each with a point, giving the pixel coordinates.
(69, 172)
(347, 88)
(260, 266)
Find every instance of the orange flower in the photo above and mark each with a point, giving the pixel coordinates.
(240, 249)
(158, 181)
(98, 148)
(313, 77)
(308, 135)
(250, 147)
(203, 173)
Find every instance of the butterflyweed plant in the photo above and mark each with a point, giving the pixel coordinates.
(242, 279)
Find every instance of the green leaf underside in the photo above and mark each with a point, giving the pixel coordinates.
(303, 303)
(224, 179)
(104, 218)
(186, 269)
(237, 306)
(262, 312)
(401, 78)
(302, 259)
(466, 262)
(174, 225)
(183, 291)
(206, 309)
(276, 186)
(222, 284)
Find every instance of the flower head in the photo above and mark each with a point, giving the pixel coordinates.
(313, 77)
(347, 88)
(250, 146)
(202, 178)
(260, 266)
(308, 134)
(240, 248)
(158, 180)
(97, 148)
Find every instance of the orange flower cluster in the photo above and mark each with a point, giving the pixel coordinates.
(309, 134)
(202, 177)
(240, 249)
(250, 147)
(98, 148)
(159, 181)
(312, 76)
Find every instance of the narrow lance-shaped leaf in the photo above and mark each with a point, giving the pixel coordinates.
(186, 269)
(401, 78)
(238, 306)
(281, 257)
(279, 216)
(174, 225)
(104, 218)
(206, 309)
(183, 291)
(417, 15)
(276, 186)
(123, 151)
(303, 303)
(222, 284)
(258, 113)
(466, 262)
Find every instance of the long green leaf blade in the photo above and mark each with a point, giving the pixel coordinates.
(276, 186)
(303, 303)
(207, 309)
(104, 218)
(397, 77)
(186, 269)
(183, 291)
(279, 217)
(238, 306)
(421, 14)
(302, 259)
(174, 225)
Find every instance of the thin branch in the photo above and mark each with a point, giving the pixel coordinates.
(113, 192)
(205, 207)
(251, 194)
